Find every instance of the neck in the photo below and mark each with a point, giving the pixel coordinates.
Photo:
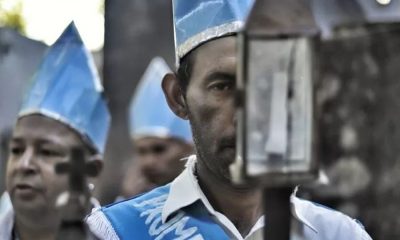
(38, 229)
(241, 205)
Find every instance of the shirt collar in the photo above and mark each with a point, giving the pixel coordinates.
(185, 191)
(6, 219)
(299, 211)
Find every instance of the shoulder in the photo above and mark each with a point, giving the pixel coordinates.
(112, 221)
(6, 223)
(138, 203)
(5, 203)
(326, 222)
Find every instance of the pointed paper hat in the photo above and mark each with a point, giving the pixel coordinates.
(149, 112)
(67, 88)
(198, 21)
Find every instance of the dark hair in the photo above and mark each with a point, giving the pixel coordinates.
(184, 71)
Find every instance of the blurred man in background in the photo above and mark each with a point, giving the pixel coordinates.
(160, 139)
(64, 109)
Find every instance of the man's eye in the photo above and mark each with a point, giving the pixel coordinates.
(155, 149)
(159, 149)
(16, 150)
(221, 86)
(49, 153)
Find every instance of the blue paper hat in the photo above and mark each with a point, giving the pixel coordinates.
(198, 21)
(67, 88)
(149, 112)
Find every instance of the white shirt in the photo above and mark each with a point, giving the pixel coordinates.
(316, 222)
(6, 217)
(310, 221)
(5, 203)
(185, 191)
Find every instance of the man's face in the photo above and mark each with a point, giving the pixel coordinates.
(38, 143)
(210, 104)
(159, 159)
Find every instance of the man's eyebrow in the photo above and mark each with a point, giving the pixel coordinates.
(220, 75)
(19, 139)
(48, 141)
(16, 140)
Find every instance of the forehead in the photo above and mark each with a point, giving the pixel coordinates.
(38, 127)
(148, 141)
(215, 55)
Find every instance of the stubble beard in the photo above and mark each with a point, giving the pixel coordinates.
(206, 152)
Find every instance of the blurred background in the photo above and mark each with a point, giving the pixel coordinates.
(358, 92)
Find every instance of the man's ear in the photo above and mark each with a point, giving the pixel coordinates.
(174, 95)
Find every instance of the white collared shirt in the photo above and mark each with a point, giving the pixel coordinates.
(310, 221)
(185, 191)
(5, 203)
(6, 217)
(316, 222)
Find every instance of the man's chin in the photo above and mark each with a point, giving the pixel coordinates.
(29, 208)
(244, 187)
(225, 160)
(239, 187)
(227, 156)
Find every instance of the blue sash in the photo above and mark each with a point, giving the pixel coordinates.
(140, 218)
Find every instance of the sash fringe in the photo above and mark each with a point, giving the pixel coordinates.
(100, 226)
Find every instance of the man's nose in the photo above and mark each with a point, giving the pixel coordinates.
(149, 160)
(232, 111)
(26, 163)
(235, 117)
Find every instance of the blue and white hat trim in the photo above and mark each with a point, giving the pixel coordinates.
(198, 21)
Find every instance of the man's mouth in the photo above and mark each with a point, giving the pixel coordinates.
(23, 186)
(228, 149)
(25, 190)
(229, 143)
(151, 174)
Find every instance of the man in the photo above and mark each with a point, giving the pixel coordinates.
(160, 138)
(63, 110)
(202, 203)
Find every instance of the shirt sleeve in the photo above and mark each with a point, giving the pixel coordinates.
(363, 234)
(323, 223)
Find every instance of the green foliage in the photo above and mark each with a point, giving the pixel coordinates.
(13, 17)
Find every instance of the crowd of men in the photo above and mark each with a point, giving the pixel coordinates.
(183, 129)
